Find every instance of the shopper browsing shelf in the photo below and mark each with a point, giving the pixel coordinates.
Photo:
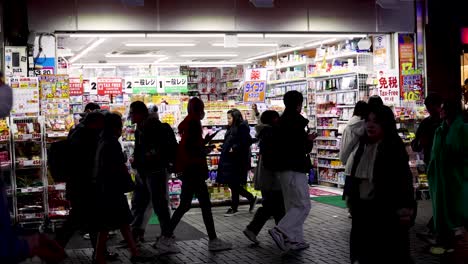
(266, 179)
(234, 163)
(155, 148)
(355, 129)
(191, 164)
(293, 145)
(380, 192)
(112, 181)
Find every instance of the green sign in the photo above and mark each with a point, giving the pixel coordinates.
(143, 85)
(174, 84)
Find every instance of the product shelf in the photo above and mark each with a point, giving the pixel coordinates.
(286, 81)
(337, 91)
(326, 138)
(327, 128)
(344, 55)
(328, 157)
(288, 65)
(327, 116)
(328, 147)
(331, 167)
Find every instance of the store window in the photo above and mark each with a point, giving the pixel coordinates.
(333, 71)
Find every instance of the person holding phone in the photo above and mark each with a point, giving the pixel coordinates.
(234, 163)
(191, 165)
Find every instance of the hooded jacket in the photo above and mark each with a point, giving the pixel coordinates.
(191, 152)
(355, 129)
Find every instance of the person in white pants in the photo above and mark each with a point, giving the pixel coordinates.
(293, 146)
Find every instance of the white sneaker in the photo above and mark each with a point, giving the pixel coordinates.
(251, 236)
(86, 236)
(279, 239)
(299, 246)
(218, 245)
(166, 245)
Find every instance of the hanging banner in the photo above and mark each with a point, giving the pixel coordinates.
(412, 86)
(143, 85)
(259, 74)
(254, 92)
(173, 84)
(109, 86)
(389, 89)
(406, 51)
(76, 86)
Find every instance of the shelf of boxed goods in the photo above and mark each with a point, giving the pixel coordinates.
(285, 81)
(287, 65)
(342, 55)
(337, 91)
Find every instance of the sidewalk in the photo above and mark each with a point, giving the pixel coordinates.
(327, 230)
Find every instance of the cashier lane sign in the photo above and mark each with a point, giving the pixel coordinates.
(109, 86)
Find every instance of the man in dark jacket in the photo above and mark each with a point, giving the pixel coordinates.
(293, 164)
(155, 148)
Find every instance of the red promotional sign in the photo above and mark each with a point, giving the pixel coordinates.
(76, 86)
(109, 86)
(464, 35)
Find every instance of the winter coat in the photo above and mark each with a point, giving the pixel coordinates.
(234, 162)
(191, 153)
(425, 137)
(448, 176)
(392, 178)
(265, 179)
(355, 129)
(292, 147)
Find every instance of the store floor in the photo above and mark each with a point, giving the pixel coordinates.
(327, 229)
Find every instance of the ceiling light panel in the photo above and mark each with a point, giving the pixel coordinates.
(135, 56)
(87, 49)
(160, 44)
(208, 55)
(248, 44)
(110, 35)
(315, 35)
(191, 35)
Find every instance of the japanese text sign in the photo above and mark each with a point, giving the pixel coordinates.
(254, 92)
(412, 86)
(174, 84)
(146, 85)
(389, 88)
(256, 74)
(109, 86)
(76, 86)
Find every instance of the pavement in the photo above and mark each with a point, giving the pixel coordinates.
(326, 229)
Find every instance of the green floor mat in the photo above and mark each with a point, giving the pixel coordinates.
(154, 219)
(331, 200)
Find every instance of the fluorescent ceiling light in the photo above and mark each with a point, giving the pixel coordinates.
(315, 35)
(161, 59)
(160, 44)
(135, 55)
(67, 54)
(271, 54)
(162, 63)
(319, 43)
(208, 55)
(250, 35)
(189, 35)
(108, 35)
(248, 44)
(87, 49)
(213, 66)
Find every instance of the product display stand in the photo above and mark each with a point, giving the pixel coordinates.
(29, 180)
(7, 165)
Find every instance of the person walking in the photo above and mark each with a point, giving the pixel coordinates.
(448, 176)
(424, 140)
(293, 144)
(380, 193)
(266, 179)
(234, 162)
(355, 129)
(112, 180)
(192, 166)
(155, 151)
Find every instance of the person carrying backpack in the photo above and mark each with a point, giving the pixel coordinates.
(155, 151)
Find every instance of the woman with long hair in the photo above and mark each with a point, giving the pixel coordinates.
(234, 163)
(380, 191)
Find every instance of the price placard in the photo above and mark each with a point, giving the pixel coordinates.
(173, 84)
(44, 71)
(109, 86)
(29, 163)
(254, 92)
(76, 86)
